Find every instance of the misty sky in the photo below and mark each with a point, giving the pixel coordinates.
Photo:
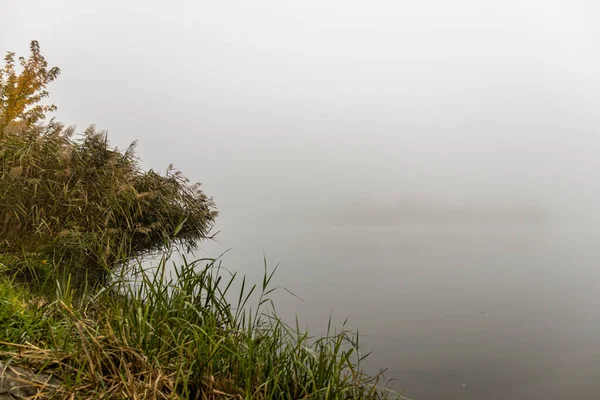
(306, 110)
(280, 106)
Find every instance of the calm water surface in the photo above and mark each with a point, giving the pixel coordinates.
(453, 312)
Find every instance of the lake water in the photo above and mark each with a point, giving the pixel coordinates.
(453, 311)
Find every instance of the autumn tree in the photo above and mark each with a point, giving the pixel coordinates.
(75, 201)
(21, 93)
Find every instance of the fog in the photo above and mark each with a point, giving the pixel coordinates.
(312, 116)
(280, 105)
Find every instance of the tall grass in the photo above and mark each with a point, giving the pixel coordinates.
(85, 205)
(174, 332)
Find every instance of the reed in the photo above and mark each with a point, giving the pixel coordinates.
(179, 332)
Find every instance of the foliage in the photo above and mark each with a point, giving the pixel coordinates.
(20, 94)
(23, 317)
(77, 201)
(179, 337)
(84, 204)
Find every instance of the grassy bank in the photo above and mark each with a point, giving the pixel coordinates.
(172, 336)
(73, 210)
